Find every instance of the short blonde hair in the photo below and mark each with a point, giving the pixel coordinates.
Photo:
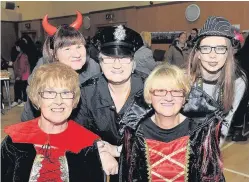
(51, 75)
(162, 72)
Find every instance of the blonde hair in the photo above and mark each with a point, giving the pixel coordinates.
(227, 77)
(51, 75)
(163, 72)
(146, 36)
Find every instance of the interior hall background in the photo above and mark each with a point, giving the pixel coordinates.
(138, 15)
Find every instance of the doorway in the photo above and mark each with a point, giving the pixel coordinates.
(31, 34)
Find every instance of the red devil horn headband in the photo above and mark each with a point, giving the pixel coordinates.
(78, 22)
(50, 29)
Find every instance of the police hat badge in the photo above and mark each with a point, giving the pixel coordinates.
(118, 41)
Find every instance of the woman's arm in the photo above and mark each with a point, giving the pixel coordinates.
(107, 157)
(111, 149)
(169, 55)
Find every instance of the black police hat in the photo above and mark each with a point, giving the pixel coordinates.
(216, 26)
(117, 41)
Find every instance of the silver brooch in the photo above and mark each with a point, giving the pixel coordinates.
(119, 33)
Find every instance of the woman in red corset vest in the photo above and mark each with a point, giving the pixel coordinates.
(169, 146)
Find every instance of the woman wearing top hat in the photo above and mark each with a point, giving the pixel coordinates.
(214, 70)
(106, 97)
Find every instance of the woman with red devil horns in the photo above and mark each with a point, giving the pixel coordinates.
(66, 45)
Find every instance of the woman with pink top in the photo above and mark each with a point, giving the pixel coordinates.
(21, 72)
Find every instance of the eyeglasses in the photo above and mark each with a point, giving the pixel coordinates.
(162, 92)
(53, 94)
(126, 60)
(217, 49)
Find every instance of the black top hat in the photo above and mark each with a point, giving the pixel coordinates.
(117, 41)
(216, 26)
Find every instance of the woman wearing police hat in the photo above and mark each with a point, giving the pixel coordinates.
(107, 97)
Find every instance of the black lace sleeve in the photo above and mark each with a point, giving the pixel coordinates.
(7, 160)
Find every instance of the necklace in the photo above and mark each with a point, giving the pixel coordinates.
(46, 147)
(127, 94)
(119, 100)
(221, 92)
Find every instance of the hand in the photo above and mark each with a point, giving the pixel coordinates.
(104, 146)
(109, 163)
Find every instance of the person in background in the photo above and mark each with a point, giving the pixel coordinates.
(192, 149)
(178, 52)
(64, 44)
(92, 51)
(14, 53)
(144, 56)
(214, 70)
(191, 38)
(52, 147)
(4, 64)
(31, 51)
(38, 46)
(239, 118)
(21, 71)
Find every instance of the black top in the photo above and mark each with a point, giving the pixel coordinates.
(18, 159)
(154, 132)
(97, 110)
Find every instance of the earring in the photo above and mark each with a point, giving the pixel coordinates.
(133, 69)
(134, 66)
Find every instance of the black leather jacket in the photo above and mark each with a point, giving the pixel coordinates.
(97, 111)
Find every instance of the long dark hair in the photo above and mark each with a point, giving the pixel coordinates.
(28, 47)
(196, 30)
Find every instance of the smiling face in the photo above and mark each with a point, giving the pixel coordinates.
(54, 108)
(116, 70)
(183, 38)
(170, 104)
(213, 62)
(73, 56)
(54, 89)
(193, 34)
